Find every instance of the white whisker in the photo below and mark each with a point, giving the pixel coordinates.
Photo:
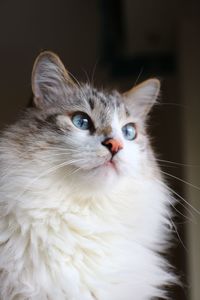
(79, 85)
(180, 197)
(182, 180)
(47, 172)
(177, 233)
(177, 163)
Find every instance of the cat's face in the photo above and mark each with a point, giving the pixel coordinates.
(98, 135)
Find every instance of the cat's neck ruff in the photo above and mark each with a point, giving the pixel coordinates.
(105, 237)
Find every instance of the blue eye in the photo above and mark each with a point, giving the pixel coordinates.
(81, 121)
(129, 131)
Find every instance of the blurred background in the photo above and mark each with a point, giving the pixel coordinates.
(115, 44)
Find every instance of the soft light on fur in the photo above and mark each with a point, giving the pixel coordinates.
(74, 224)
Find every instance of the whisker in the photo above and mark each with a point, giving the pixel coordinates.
(54, 150)
(166, 166)
(178, 235)
(179, 212)
(87, 77)
(12, 171)
(177, 163)
(47, 172)
(139, 75)
(50, 155)
(79, 84)
(57, 167)
(45, 148)
(76, 170)
(21, 159)
(174, 104)
(180, 197)
(181, 180)
(182, 204)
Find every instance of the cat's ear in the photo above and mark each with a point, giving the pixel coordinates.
(142, 97)
(50, 79)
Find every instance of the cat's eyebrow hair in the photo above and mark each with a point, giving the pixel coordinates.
(52, 118)
(94, 92)
(103, 101)
(91, 103)
(127, 112)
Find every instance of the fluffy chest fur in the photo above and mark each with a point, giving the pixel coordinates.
(61, 244)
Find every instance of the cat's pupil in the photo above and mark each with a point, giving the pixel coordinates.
(82, 122)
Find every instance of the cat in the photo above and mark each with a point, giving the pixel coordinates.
(84, 211)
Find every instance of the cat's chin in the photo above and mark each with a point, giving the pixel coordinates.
(99, 177)
(107, 166)
(105, 174)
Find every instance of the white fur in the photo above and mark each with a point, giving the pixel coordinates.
(58, 242)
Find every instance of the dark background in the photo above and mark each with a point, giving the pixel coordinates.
(115, 44)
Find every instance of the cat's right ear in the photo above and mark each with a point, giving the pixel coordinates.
(142, 97)
(50, 79)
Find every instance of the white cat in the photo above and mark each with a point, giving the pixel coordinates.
(84, 212)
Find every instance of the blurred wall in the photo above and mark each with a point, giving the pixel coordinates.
(189, 64)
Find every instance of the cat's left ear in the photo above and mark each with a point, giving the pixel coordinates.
(142, 97)
(50, 79)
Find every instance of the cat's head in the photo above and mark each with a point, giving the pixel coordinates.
(99, 135)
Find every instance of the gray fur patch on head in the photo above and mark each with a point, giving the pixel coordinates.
(100, 106)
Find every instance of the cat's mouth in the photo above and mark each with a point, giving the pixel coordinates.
(109, 164)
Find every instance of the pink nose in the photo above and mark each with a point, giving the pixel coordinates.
(113, 145)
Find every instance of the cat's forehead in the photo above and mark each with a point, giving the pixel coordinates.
(99, 102)
(103, 99)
